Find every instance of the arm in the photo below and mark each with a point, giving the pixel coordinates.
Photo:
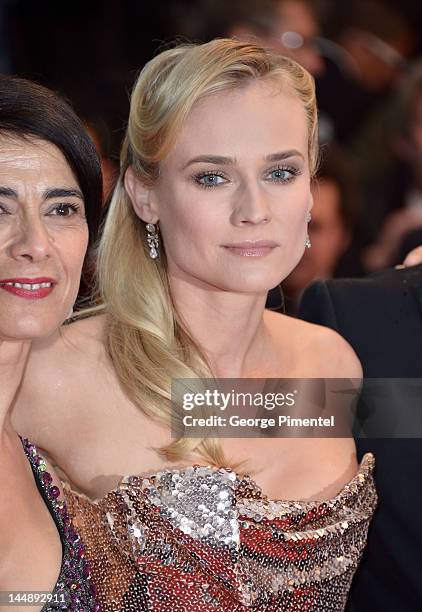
(30, 545)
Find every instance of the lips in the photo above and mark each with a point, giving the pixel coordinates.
(257, 248)
(28, 288)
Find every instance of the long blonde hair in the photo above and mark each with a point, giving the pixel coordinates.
(148, 344)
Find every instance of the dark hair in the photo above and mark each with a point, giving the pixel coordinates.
(31, 110)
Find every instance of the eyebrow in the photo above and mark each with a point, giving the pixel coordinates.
(62, 192)
(56, 192)
(228, 161)
(6, 192)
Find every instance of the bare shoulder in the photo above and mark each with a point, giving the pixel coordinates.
(322, 351)
(83, 334)
(58, 368)
(77, 341)
(73, 348)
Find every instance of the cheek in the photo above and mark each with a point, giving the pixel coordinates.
(291, 215)
(186, 228)
(291, 220)
(72, 253)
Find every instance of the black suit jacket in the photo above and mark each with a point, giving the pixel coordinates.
(381, 317)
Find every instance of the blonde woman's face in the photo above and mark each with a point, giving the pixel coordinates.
(234, 191)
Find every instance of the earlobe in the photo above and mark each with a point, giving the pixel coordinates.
(311, 202)
(140, 196)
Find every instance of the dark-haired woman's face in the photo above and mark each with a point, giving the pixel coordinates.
(43, 238)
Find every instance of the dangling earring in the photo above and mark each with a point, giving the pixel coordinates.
(308, 240)
(152, 240)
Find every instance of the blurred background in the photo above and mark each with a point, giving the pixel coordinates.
(365, 55)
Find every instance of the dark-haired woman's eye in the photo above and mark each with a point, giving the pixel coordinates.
(3, 210)
(64, 210)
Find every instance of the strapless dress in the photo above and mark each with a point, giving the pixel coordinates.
(205, 539)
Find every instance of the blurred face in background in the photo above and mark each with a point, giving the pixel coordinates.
(291, 30)
(376, 63)
(329, 238)
(294, 31)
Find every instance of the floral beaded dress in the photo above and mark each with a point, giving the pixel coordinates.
(203, 539)
(73, 590)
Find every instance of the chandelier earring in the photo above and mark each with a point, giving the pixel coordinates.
(152, 240)
(308, 240)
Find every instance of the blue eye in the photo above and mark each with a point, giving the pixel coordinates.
(209, 179)
(283, 175)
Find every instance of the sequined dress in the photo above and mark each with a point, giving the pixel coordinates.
(73, 590)
(203, 539)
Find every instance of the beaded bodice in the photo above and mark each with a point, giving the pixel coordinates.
(73, 589)
(205, 539)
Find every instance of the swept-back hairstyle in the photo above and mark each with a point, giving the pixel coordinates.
(31, 110)
(148, 343)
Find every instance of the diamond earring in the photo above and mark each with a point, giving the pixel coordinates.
(308, 241)
(152, 240)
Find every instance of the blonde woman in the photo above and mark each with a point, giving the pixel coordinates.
(209, 213)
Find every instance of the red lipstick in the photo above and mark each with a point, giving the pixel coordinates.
(28, 288)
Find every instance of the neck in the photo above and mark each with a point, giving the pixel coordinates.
(7, 431)
(228, 327)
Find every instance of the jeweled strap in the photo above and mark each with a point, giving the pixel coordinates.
(74, 588)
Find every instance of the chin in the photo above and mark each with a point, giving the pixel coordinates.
(29, 329)
(253, 284)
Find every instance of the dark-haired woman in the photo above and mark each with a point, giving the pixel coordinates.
(50, 195)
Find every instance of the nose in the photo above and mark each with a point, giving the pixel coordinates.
(251, 207)
(32, 241)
